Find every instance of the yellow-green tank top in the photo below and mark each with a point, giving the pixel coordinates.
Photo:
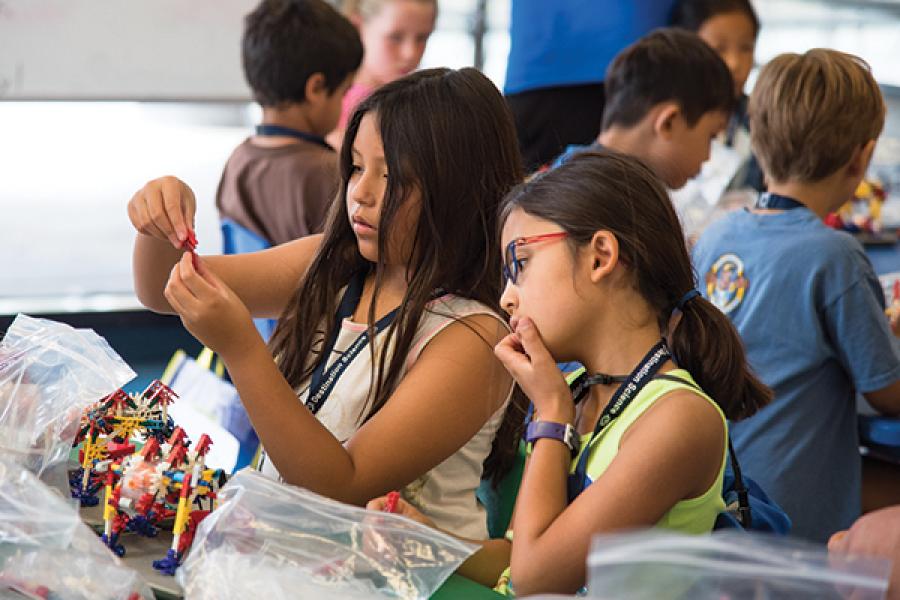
(695, 515)
(692, 516)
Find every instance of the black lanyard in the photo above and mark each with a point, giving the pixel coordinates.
(628, 391)
(278, 130)
(323, 381)
(776, 202)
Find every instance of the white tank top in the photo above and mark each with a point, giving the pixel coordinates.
(446, 493)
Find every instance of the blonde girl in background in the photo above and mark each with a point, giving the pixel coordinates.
(394, 34)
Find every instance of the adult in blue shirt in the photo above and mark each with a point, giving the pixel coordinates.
(558, 55)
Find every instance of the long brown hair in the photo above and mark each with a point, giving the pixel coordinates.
(610, 191)
(449, 135)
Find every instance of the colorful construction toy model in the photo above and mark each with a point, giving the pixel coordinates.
(165, 479)
(159, 482)
(108, 432)
(862, 214)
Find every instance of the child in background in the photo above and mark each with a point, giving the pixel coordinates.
(299, 57)
(409, 261)
(644, 441)
(558, 53)
(667, 96)
(804, 297)
(731, 28)
(394, 34)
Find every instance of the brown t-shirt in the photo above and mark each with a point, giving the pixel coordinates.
(279, 193)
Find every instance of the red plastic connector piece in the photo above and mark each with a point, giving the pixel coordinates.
(392, 499)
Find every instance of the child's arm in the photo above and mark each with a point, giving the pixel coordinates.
(861, 335)
(163, 212)
(452, 389)
(674, 451)
(886, 400)
(671, 453)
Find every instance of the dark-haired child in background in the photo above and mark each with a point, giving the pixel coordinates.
(299, 57)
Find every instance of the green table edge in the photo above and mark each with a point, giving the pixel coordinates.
(457, 587)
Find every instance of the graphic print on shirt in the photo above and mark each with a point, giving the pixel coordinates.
(726, 284)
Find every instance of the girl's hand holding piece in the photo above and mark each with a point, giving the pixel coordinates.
(164, 208)
(525, 356)
(395, 504)
(209, 309)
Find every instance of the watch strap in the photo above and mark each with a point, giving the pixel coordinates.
(563, 432)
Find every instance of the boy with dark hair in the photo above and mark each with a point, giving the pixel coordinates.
(667, 96)
(804, 297)
(299, 57)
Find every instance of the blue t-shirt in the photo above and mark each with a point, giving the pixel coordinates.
(571, 42)
(573, 149)
(810, 310)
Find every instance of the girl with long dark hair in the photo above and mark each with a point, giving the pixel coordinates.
(384, 376)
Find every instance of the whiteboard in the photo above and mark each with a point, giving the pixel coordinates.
(122, 49)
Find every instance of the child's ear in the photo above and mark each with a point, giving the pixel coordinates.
(665, 120)
(316, 90)
(859, 162)
(603, 252)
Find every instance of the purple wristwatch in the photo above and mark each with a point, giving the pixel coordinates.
(557, 431)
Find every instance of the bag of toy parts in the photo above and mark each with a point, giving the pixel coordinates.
(207, 403)
(47, 552)
(49, 373)
(659, 565)
(272, 540)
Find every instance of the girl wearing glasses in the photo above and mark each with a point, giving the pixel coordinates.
(598, 272)
(409, 259)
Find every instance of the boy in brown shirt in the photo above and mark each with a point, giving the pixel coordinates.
(299, 57)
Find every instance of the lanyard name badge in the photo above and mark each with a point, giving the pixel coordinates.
(278, 130)
(642, 374)
(776, 202)
(323, 380)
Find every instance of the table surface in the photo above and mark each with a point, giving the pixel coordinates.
(885, 258)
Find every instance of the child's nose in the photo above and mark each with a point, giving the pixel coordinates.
(411, 50)
(509, 298)
(361, 191)
(732, 61)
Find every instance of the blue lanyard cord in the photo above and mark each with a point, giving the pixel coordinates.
(776, 202)
(278, 130)
(323, 380)
(621, 399)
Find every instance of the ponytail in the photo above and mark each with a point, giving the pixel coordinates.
(706, 344)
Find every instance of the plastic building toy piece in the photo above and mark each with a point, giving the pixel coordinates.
(109, 429)
(190, 245)
(160, 482)
(392, 499)
(165, 479)
(862, 214)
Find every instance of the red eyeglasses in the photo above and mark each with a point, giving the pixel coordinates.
(512, 265)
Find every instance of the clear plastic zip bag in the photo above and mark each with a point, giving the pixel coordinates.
(46, 551)
(49, 373)
(268, 539)
(658, 565)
